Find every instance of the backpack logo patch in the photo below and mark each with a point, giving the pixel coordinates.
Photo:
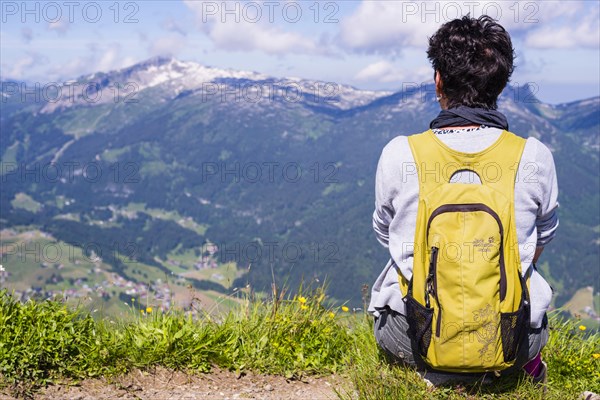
(484, 246)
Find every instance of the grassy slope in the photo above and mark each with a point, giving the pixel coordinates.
(582, 299)
(43, 342)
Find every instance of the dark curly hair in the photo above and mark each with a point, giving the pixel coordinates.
(474, 57)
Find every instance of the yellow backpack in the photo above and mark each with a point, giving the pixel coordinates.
(467, 304)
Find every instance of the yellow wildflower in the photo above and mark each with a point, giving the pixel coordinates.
(148, 310)
(132, 300)
(141, 311)
(345, 309)
(582, 327)
(302, 299)
(304, 307)
(596, 355)
(331, 315)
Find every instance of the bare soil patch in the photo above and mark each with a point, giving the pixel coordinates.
(164, 384)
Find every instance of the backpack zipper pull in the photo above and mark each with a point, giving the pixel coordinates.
(429, 289)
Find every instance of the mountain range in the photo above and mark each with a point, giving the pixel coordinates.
(169, 167)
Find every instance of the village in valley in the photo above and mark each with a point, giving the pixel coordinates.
(31, 269)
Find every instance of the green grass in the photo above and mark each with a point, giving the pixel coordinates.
(10, 156)
(572, 369)
(184, 222)
(26, 202)
(581, 299)
(48, 341)
(26, 268)
(82, 121)
(44, 342)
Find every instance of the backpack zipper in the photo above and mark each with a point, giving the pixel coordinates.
(431, 288)
(477, 207)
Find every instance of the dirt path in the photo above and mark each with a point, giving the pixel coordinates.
(163, 384)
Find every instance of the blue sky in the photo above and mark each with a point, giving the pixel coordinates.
(368, 44)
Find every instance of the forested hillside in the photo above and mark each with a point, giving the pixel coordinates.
(164, 174)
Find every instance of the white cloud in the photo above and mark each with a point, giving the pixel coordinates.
(527, 63)
(236, 33)
(386, 27)
(19, 68)
(70, 68)
(99, 57)
(380, 71)
(61, 26)
(575, 32)
(384, 72)
(244, 36)
(109, 58)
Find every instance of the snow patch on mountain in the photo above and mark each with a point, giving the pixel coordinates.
(173, 77)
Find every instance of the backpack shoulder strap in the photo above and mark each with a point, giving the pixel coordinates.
(496, 165)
